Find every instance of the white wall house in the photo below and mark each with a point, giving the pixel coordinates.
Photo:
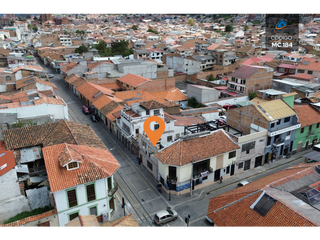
(199, 160)
(100, 204)
(32, 111)
(76, 190)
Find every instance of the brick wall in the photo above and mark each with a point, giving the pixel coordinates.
(181, 77)
(162, 74)
(158, 85)
(172, 110)
(247, 116)
(258, 81)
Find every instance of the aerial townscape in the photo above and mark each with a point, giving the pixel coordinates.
(172, 120)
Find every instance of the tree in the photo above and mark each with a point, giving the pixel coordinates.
(229, 28)
(246, 27)
(81, 49)
(252, 95)
(121, 48)
(191, 22)
(153, 31)
(211, 78)
(134, 27)
(65, 32)
(78, 32)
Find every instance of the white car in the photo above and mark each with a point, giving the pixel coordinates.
(244, 182)
(50, 75)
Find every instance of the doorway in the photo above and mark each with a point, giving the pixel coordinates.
(258, 161)
(111, 204)
(217, 175)
(232, 169)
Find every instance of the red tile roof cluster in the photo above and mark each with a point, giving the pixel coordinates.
(233, 208)
(134, 80)
(312, 64)
(94, 164)
(181, 152)
(307, 114)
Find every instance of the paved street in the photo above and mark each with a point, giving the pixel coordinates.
(138, 187)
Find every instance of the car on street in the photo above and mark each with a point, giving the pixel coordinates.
(94, 118)
(50, 75)
(165, 216)
(85, 110)
(243, 183)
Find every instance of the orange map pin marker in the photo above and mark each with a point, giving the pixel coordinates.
(154, 136)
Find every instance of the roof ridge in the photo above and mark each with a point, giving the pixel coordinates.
(65, 122)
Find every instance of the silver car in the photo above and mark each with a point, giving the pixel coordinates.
(165, 216)
(243, 183)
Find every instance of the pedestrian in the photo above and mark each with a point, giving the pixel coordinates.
(221, 178)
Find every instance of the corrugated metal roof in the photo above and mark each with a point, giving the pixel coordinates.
(277, 109)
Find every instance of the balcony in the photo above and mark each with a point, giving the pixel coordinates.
(278, 142)
(113, 190)
(310, 133)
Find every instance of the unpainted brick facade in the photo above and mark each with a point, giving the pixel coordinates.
(246, 116)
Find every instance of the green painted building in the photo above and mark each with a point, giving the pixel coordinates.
(309, 133)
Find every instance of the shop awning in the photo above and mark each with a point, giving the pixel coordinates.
(314, 155)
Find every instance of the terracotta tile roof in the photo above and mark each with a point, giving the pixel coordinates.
(109, 108)
(313, 64)
(117, 114)
(181, 152)
(213, 46)
(133, 80)
(111, 85)
(244, 72)
(240, 214)
(74, 80)
(110, 115)
(152, 104)
(173, 94)
(233, 208)
(30, 219)
(28, 67)
(89, 90)
(27, 81)
(95, 164)
(102, 101)
(93, 65)
(134, 96)
(7, 157)
(126, 221)
(51, 134)
(307, 115)
(187, 121)
(49, 100)
(302, 76)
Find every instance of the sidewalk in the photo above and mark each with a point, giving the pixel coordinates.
(199, 193)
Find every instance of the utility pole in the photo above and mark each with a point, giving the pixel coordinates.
(191, 177)
(123, 206)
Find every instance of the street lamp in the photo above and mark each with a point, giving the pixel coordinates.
(169, 185)
(191, 177)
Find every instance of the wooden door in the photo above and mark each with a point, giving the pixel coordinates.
(44, 224)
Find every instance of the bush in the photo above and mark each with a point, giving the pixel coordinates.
(28, 214)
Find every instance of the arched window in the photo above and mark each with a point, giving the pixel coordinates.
(8, 78)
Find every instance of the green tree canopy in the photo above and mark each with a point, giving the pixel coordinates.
(229, 28)
(246, 27)
(152, 30)
(81, 49)
(121, 48)
(191, 22)
(134, 27)
(252, 95)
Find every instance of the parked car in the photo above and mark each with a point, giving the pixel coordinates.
(165, 216)
(94, 118)
(50, 75)
(243, 183)
(86, 110)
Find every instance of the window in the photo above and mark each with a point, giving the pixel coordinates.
(318, 124)
(292, 71)
(302, 130)
(200, 167)
(172, 172)
(248, 146)
(232, 154)
(147, 112)
(169, 138)
(149, 164)
(91, 195)
(93, 211)
(73, 216)
(72, 198)
(240, 165)
(310, 72)
(72, 165)
(8, 78)
(300, 71)
(279, 121)
(272, 125)
(228, 170)
(137, 131)
(287, 119)
(177, 135)
(156, 126)
(247, 165)
(156, 112)
(281, 69)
